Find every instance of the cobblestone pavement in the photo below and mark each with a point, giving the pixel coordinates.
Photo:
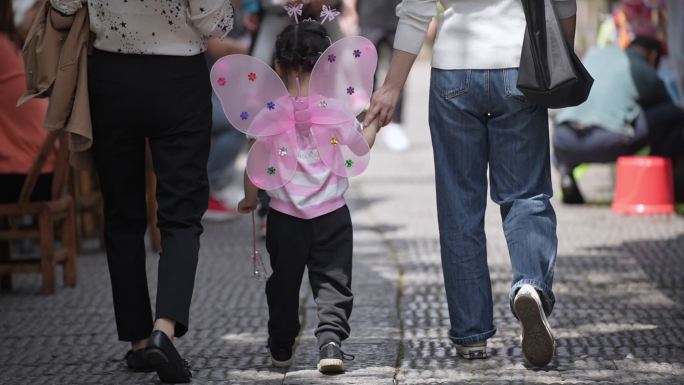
(619, 284)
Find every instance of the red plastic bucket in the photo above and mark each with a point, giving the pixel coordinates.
(643, 185)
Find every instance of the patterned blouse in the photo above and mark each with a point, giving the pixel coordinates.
(154, 27)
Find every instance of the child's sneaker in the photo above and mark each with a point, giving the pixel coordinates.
(281, 355)
(331, 359)
(472, 352)
(538, 344)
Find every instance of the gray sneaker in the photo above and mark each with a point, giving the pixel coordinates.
(538, 344)
(331, 359)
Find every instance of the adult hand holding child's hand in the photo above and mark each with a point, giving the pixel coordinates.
(382, 105)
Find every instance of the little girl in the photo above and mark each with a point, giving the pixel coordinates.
(308, 225)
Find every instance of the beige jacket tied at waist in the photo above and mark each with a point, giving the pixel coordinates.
(55, 56)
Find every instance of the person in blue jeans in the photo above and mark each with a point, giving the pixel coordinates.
(480, 120)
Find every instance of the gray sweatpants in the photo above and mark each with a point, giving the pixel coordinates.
(324, 246)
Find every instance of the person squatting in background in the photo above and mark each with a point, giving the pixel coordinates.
(628, 109)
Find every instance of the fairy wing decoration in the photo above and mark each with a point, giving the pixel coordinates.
(257, 103)
(345, 72)
(340, 88)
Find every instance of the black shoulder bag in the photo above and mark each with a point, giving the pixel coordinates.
(550, 73)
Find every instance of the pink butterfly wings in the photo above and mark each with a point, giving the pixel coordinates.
(343, 80)
(256, 102)
(272, 160)
(345, 72)
(247, 87)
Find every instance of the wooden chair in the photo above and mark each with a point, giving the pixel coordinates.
(57, 213)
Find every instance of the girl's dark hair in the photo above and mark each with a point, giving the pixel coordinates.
(299, 46)
(7, 22)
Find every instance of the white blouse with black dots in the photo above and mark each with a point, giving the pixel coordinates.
(154, 27)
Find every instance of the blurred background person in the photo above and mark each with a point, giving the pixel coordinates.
(675, 38)
(377, 21)
(675, 41)
(632, 18)
(629, 108)
(227, 143)
(21, 129)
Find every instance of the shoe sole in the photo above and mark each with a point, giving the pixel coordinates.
(538, 344)
(331, 366)
(166, 372)
(281, 364)
(472, 353)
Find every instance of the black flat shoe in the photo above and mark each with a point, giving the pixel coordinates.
(571, 193)
(163, 356)
(136, 361)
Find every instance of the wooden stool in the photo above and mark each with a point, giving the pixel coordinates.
(57, 213)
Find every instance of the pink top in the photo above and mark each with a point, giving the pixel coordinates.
(314, 190)
(305, 148)
(21, 128)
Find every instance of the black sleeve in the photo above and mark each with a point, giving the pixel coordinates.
(650, 87)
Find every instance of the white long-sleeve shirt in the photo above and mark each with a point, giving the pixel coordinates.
(154, 27)
(472, 34)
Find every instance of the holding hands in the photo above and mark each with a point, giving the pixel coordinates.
(382, 105)
(385, 98)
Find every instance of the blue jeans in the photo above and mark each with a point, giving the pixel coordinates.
(478, 118)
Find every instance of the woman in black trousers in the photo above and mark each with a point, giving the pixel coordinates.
(147, 79)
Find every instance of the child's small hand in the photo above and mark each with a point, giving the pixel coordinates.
(370, 131)
(246, 205)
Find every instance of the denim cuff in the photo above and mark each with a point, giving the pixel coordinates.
(547, 298)
(472, 339)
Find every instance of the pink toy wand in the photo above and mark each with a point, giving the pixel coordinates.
(259, 269)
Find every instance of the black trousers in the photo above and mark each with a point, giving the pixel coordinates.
(166, 99)
(661, 127)
(323, 245)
